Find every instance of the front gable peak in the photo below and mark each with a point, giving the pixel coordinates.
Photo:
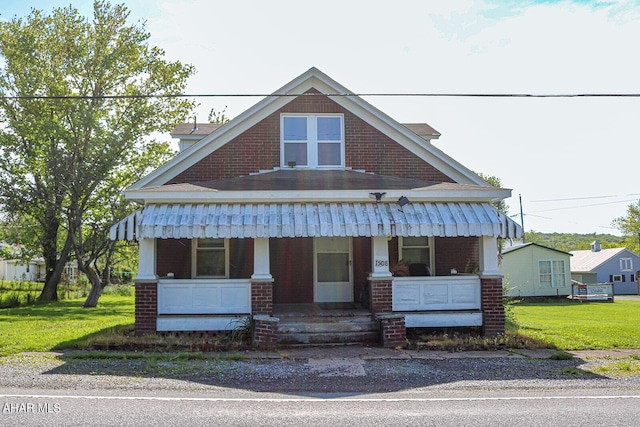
(323, 114)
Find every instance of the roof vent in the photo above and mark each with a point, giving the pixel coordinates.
(596, 246)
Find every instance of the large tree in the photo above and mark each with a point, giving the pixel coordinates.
(629, 225)
(79, 98)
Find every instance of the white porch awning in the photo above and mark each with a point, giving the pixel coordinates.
(251, 220)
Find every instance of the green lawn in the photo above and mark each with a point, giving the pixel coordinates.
(62, 324)
(571, 325)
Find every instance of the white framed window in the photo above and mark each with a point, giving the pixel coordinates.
(210, 258)
(418, 254)
(626, 264)
(551, 273)
(616, 278)
(312, 140)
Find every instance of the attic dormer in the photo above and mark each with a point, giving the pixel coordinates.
(190, 133)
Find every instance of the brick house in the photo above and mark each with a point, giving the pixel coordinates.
(315, 201)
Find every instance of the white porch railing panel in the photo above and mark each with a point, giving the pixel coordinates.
(436, 293)
(204, 296)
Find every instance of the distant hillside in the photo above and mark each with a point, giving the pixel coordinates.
(576, 242)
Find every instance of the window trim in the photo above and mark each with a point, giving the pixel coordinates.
(312, 142)
(194, 258)
(553, 274)
(626, 262)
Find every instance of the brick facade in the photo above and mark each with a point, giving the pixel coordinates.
(258, 148)
(146, 311)
(492, 306)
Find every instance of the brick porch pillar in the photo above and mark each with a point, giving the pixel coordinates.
(393, 330)
(492, 305)
(265, 332)
(380, 295)
(146, 312)
(262, 298)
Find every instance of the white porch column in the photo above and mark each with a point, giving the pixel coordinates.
(380, 257)
(147, 261)
(489, 256)
(261, 270)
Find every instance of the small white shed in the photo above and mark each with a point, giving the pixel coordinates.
(533, 270)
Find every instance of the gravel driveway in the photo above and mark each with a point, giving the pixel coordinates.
(339, 371)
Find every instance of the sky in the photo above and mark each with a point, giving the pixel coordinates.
(574, 162)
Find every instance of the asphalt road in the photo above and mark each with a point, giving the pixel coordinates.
(589, 407)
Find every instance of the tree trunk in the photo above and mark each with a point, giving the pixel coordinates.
(96, 288)
(55, 268)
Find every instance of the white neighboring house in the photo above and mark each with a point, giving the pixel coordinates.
(14, 269)
(32, 271)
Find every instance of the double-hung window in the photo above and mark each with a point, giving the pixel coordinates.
(210, 258)
(312, 140)
(551, 273)
(416, 251)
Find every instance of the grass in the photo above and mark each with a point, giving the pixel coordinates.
(625, 367)
(61, 325)
(570, 325)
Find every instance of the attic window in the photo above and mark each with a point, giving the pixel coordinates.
(312, 140)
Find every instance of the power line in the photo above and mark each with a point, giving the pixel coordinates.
(585, 206)
(584, 198)
(253, 95)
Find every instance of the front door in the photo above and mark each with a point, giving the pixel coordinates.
(333, 277)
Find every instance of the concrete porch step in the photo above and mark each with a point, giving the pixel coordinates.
(325, 338)
(327, 329)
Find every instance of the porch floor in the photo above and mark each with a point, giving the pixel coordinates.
(319, 309)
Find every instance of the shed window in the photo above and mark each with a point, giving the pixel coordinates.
(551, 273)
(210, 258)
(313, 140)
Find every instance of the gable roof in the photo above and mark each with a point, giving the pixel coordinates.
(531, 244)
(588, 260)
(316, 80)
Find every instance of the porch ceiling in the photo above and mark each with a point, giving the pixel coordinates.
(251, 220)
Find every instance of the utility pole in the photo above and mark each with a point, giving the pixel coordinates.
(522, 220)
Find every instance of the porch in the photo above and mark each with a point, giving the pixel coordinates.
(214, 272)
(226, 304)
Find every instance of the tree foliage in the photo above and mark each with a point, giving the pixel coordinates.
(500, 205)
(79, 99)
(629, 226)
(568, 242)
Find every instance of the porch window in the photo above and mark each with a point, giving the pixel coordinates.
(416, 252)
(313, 140)
(551, 273)
(210, 258)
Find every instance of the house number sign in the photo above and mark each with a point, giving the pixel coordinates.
(381, 262)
